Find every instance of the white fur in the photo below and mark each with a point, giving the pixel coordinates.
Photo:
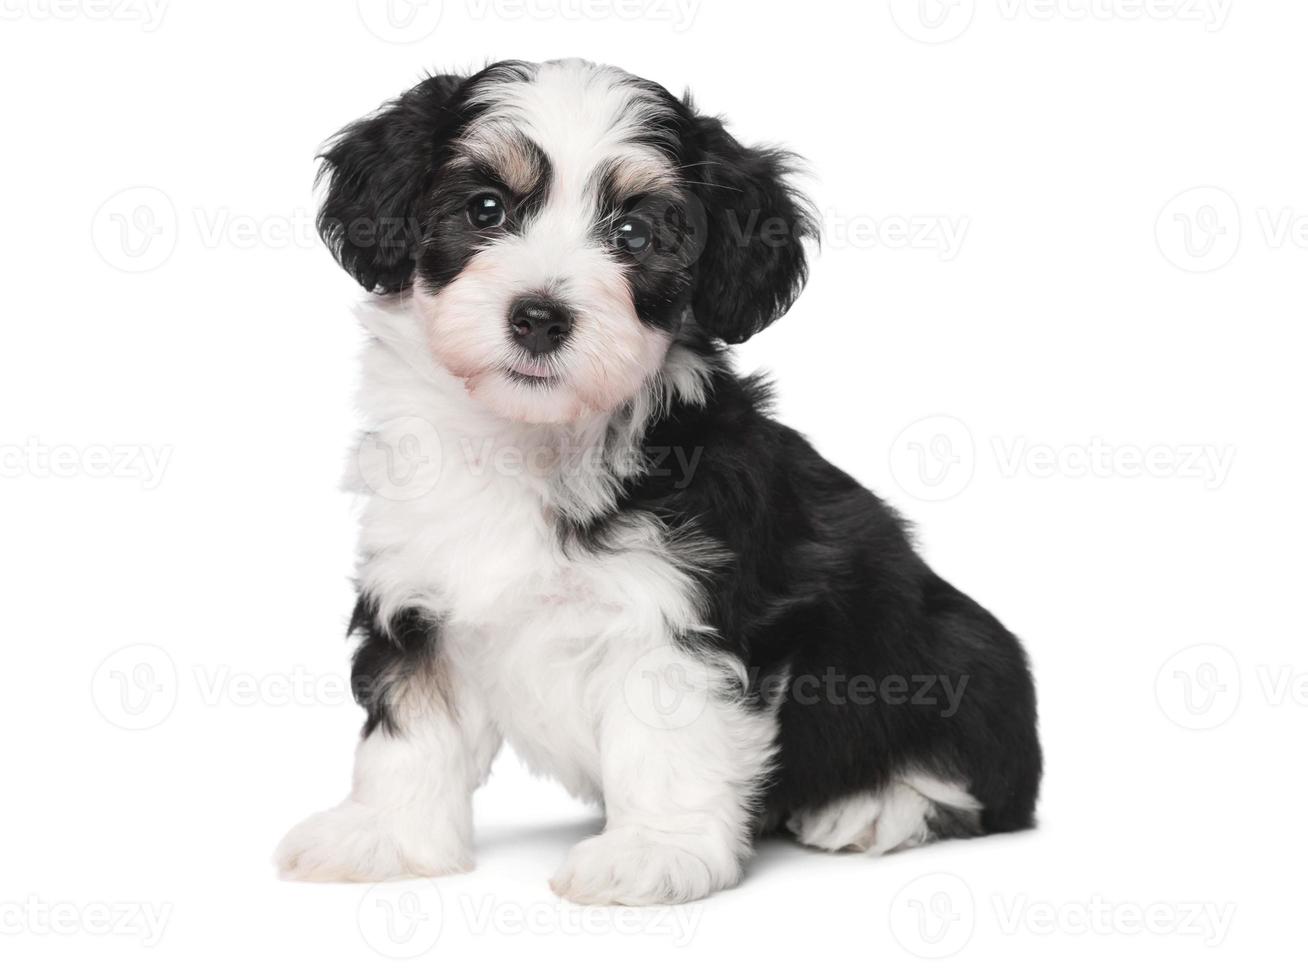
(548, 646)
(410, 811)
(878, 823)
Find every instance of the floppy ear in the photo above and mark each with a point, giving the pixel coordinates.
(377, 170)
(753, 265)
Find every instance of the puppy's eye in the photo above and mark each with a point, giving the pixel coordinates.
(633, 235)
(485, 211)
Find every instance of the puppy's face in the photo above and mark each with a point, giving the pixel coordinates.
(543, 285)
(561, 226)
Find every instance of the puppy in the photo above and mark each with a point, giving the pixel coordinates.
(586, 535)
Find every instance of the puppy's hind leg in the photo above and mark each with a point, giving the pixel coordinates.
(913, 809)
(426, 746)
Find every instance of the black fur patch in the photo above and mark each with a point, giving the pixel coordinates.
(889, 666)
(753, 264)
(388, 655)
(378, 172)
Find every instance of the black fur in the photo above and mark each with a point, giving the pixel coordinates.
(388, 655)
(753, 264)
(379, 172)
(824, 584)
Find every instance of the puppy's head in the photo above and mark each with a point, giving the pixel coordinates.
(561, 226)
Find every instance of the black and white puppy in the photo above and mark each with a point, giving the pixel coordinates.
(586, 535)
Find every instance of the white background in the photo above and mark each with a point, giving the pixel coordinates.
(1110, 371)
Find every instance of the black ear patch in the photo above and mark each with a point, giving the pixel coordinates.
(378, 171)
(753, 266)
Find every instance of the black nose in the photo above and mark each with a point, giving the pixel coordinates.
(539, 325)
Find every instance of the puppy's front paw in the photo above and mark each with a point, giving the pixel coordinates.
(632, 866)
(353, 842)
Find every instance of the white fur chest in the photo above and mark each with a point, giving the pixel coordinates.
(460, 520)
